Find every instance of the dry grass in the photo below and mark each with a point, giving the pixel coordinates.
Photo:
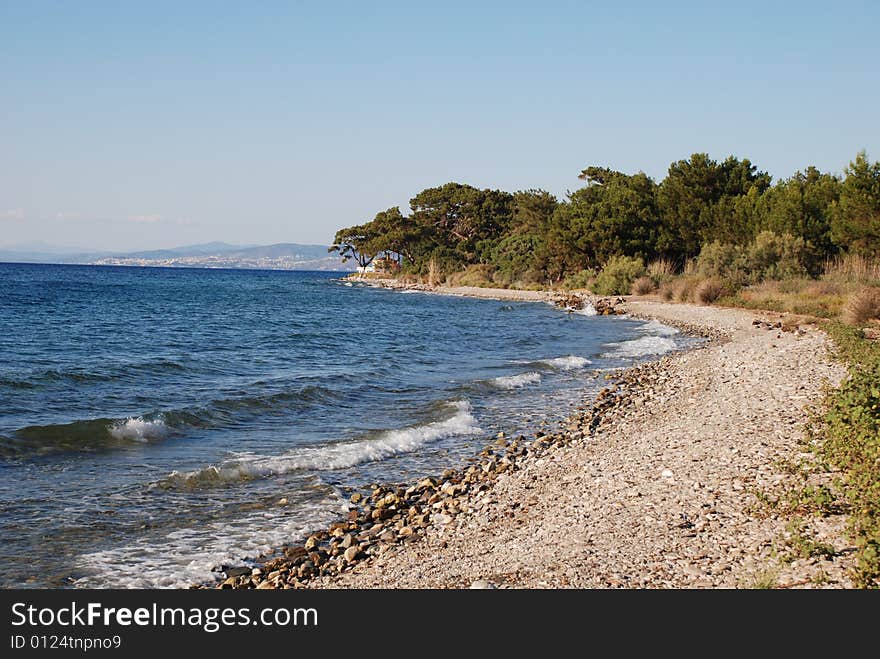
(667, 291)
(863, 306)
(822, 288)
(661, 270)
(853, 268)
(710, 290)
(684, 289)
(643, 286)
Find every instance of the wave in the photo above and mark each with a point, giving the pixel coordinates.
(139, 429)
(33, 380)
(657, 328)
(516, 381)
(567, 363)
(84, 436)
(104, 434)
(193, 554)
(641, 347)
(587, 310)
(329, 457)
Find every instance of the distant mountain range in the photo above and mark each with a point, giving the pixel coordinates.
(280, 256)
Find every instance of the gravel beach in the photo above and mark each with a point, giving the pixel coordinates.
(656, 484)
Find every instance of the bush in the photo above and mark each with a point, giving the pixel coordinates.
(667, 291)
(863, 306)
(618, 275)
(718, 260)
(684, 289)
(769, 256)
(661, 271)
(581, 279)
(643, 286)
(474, 275)
(710, 290)
(773, 256)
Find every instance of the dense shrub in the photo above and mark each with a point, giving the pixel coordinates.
(643, 286)
(684, 289)
(769, 256)
(475, 275)
(719, 260)
(618, 275)
(773, 256)
(863, 306)
(581, 279)
(667, 291)
(709, 290)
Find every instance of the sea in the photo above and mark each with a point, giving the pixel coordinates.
(159, 425)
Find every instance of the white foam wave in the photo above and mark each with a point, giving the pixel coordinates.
(587, 310)
(646, 345)
(567, 363)
(139, 429)
(516, 381)
(657, 328)
(334, 456)
(189, 556)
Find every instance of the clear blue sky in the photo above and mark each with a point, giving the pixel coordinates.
(130, 125)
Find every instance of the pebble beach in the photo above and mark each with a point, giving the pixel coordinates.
(658, 482)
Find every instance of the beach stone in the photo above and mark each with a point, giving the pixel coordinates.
(482, 584)
(347, 541)
(351, 554)
(356, 497)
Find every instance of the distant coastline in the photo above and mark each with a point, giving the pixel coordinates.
(280, 256)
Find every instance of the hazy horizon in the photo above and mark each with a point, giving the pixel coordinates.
(136, 127)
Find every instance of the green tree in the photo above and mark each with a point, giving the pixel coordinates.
(695, 200)
(359, 242)
(855, 218)
(460, 216)
(615, 215)
(801, 206)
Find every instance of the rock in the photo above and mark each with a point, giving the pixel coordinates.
(388, 536)
(283, 501)
(441, 519)
(666, 473)
(482, 584)
(295, 552)
(356, 497)
(347, 541)
(265, 585)
(351, 554)
(238, 571)
(312, 543)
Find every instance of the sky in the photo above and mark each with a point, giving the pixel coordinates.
(129, 125)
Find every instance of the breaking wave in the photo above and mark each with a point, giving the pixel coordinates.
(641, 347)
(516, 381)
(567, 363)
(331, 456)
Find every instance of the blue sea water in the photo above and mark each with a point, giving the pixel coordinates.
(158, 424)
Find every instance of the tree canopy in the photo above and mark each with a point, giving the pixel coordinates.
(530, 235)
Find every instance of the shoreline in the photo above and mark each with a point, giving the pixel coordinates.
(654, 483)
